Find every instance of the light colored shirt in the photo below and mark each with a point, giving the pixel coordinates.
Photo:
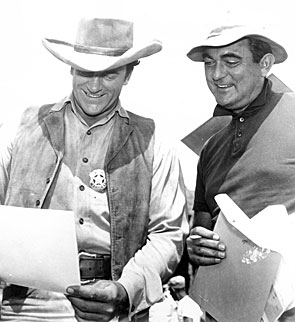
(72, 190)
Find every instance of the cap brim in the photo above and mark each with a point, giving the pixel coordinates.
(196, 53)
(93, 62)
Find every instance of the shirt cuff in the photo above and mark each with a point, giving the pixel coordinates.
(143, 286)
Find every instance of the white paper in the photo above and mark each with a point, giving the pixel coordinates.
(237, 289)
(38, 248)
(272, 228)
(261, 229)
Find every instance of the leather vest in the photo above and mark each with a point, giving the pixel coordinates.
(38, 153)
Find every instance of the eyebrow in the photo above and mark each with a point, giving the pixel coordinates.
(231, 55)
(226, 55)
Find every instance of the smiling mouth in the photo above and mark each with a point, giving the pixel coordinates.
(88, 94)
(224, 86)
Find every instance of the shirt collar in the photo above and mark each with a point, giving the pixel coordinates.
(61, 104)
(69, 99)
(253, 107)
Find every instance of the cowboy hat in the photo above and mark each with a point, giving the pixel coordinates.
(101, 44)
(227, 35)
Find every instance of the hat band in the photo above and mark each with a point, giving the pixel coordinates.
(100, 50)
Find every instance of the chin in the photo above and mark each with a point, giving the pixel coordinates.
(226, 104)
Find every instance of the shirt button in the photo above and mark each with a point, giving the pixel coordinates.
(242, 119)
(85, 160)
(88, 132)
(81, 221)
(239, 134)
(82, 188)
(37, 203)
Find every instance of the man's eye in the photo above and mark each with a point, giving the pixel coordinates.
(110, 76)
(209, 62)
(232, 63)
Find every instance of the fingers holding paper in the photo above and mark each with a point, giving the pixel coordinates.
(204, 247)
(101, 301)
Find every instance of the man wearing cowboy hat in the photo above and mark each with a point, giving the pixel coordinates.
(86, 153)
(250, 159)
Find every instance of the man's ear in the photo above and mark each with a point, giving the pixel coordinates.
(266, 63)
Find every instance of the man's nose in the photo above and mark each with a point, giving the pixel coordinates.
(219, 71)
(95, 84)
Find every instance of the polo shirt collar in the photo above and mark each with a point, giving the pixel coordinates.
(253, 107)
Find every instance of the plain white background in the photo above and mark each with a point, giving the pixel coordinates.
(166, 86)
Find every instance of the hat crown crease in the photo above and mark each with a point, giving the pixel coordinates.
(104, 36)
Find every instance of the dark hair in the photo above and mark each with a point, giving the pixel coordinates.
(258, 48)
(130, 66)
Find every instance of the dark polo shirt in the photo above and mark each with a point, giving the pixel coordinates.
(253, 158)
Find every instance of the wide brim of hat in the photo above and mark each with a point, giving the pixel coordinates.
(94, 62)
(196, 53)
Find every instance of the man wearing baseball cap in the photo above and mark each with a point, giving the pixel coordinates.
(252, 158)
(88, 154)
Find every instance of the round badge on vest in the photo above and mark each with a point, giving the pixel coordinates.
(98, 180)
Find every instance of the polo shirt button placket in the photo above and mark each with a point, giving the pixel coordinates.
(237, 143)
(240, 132)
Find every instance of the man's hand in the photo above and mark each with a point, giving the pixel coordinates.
(204, 247)
(100, 301)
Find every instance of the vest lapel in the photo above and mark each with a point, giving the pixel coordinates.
(121, 133)
(54, 123)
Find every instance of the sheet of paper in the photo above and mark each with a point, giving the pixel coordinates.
(38, 248)
(237, 290)
(273, 229)
(262, 229)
